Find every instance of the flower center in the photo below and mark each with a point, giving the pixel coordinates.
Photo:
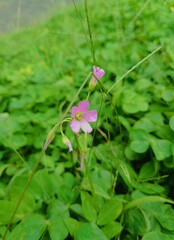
(79, 116)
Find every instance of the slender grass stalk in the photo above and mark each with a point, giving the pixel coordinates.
(90, 40)
(80, 18)
(13, 148)
(90, 32)
(140, 11)
(134, 67)
(145, 199)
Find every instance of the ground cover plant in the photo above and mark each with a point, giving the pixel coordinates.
(110, 64)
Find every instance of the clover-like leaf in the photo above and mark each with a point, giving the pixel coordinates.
(161, 148)
(140, 140)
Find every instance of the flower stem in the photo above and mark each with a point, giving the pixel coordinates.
(88, 175)
(88, 95)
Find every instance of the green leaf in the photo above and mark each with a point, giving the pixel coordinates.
(151, 188)
(127, 173)
(155, 235)
(161, 148)
(57, 229)
(72, 225)
(110, 211)
(139, 140)
(171, 123)
(168, 94)
(88, 207)
(89, 231)
(137, 221)
(112, 229)
(41, 185)
(133, 102)
(3, 167)
(6, 210)
(143, 84)
(147, 170)
(28, 203)
(125, 122)
(17, 140)
(155, 117)
(130, 154)
(66, 190)
(145, 124)
(166, 217)
(165, 132)
(97, 188)
(77, 208)
(31, 228)
(57, 208)
(146, 199)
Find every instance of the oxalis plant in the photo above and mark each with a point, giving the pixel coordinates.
(104, 219)
(79, 119)
(103, 195)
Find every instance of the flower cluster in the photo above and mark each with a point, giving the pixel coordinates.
(81, 116)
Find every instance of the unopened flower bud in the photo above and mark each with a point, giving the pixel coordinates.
(67, 142)
(49, 138)
(92, 85)
(97, 75)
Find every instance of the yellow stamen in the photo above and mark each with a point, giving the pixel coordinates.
(79, 116)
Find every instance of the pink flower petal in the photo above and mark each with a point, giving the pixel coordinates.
(98, 72)
(74, 110)
(91, 116)
(75, 126)
(83, 106)
(85, 126)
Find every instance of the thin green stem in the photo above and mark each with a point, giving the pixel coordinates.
(13, 148)
(90, 32)
(133, 68)
(80, 18)
(65, 120)
(138, 14)
(145, 199)
(88, 95)
(74, 98)
(88, 175)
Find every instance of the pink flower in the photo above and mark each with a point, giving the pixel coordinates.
(81, 117)
(98, 73)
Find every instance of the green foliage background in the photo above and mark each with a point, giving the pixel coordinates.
(131, 163)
